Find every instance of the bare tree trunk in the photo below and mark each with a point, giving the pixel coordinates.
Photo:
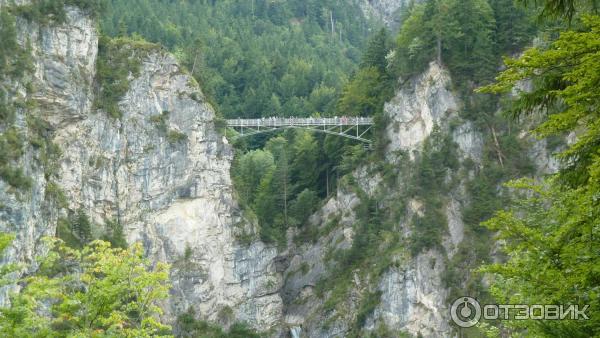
(332, 26)
(285, 195)
(194, 64)
(285, 188)
(498, 149)
(327, 180)
(439, 50)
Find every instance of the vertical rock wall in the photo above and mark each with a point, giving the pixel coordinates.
(170, 189)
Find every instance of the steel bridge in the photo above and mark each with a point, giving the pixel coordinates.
(351, 127)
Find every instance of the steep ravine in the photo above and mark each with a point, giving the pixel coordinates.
(162, 171)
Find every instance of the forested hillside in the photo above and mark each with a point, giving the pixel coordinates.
(257, 57)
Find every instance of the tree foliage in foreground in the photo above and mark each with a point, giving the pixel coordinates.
(565, 8)
(566, 79)
(94, 292)
(552, 236)
(552, 240)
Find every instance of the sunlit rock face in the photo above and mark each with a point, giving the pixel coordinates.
(413, 298)
(172, 195)
(417, 107)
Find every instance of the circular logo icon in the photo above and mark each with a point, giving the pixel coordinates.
(465, 311)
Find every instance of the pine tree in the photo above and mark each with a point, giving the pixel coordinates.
(304, 165)
(377, 50)
(281, 183)
(82, 227)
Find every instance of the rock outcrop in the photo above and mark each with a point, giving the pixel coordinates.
(309, 264)
(413, 296)
(387, 12)
(417, 107)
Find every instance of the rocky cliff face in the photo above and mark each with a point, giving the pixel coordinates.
(304, 313)
(424, 102)
(172, 193)
(64, 60)
(413, 297)
(388, 12)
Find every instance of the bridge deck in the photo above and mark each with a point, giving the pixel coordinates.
(301, 122)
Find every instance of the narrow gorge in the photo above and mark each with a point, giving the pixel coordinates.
(118, 134)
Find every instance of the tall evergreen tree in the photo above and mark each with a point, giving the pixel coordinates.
(304, 165)
(376, 52)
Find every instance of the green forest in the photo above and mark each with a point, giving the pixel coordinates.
(313, 58)
(254, 58)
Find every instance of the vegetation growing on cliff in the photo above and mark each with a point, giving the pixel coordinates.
(118, 60)
(505, 153)
(467, 36)
(300, 58)
(15, 62)
(187, 326)
(54, 11)
(77, 230)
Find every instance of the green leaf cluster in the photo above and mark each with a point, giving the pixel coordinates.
(97, 291)
(552, 240)
(280, 183)
(564, 79)
(467, 36)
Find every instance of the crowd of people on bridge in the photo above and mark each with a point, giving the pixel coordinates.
(273, 120)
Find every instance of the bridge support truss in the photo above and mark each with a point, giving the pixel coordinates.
(355, 128)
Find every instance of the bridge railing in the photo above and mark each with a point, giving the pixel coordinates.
(301, 122)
